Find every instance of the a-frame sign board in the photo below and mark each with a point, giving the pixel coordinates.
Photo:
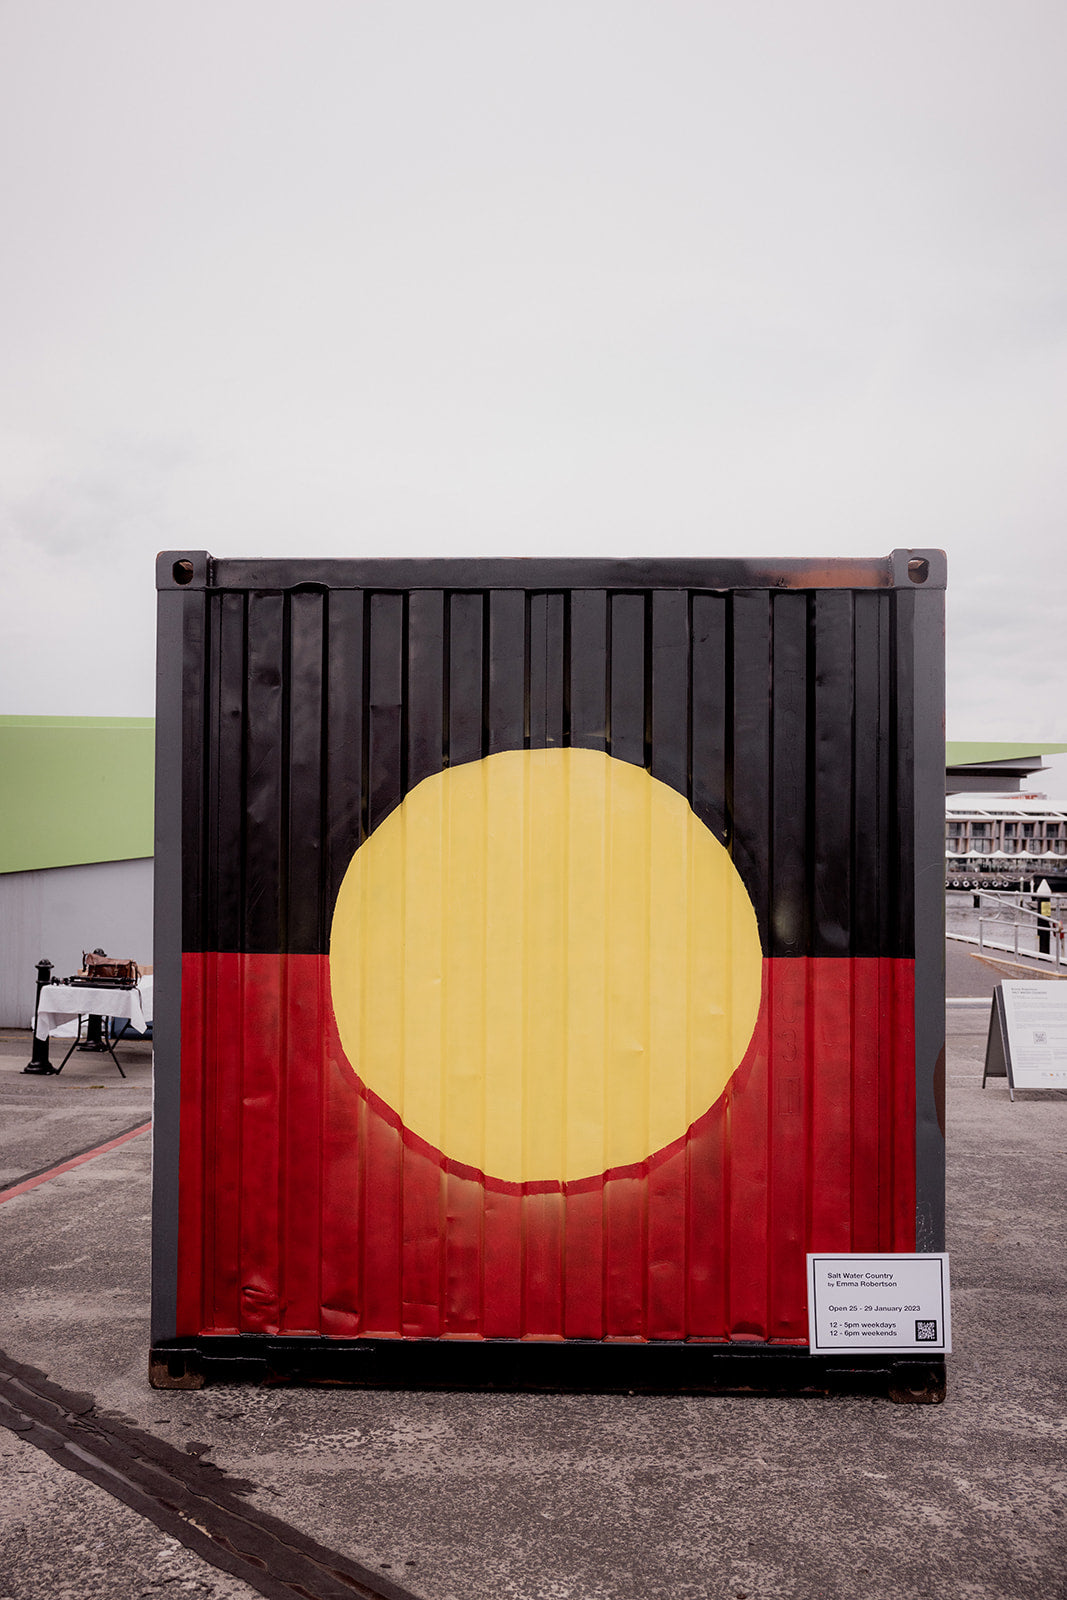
(1027, 1040)
(997, 1053)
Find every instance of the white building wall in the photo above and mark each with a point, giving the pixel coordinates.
(61, 911)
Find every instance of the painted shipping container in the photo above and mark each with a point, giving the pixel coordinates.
(549, 953)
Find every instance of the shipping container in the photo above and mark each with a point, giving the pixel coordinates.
(549, 954)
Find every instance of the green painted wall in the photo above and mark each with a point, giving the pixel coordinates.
(959, 754)
(75, 790)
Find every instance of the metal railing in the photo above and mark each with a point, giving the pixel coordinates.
(1016, 919)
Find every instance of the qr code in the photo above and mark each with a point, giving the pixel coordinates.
(1040, 1038)
(926, 1332)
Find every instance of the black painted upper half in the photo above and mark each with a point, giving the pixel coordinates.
(784, 716)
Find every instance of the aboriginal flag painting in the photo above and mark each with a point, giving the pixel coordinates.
(548, 948)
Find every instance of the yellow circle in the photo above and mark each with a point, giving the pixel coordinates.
(545, 963)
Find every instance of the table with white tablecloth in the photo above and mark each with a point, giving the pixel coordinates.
(62, 1004)
(62, 1007)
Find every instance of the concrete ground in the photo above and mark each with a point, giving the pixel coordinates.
(534, 1497)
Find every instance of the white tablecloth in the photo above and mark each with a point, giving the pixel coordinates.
(62, 1002)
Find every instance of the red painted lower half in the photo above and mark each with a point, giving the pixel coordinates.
(305, 1208)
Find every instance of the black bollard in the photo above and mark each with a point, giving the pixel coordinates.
(94, 1034)
(39, 1062)
(1043, 905)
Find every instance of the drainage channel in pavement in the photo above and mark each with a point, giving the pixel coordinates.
(193, 1501)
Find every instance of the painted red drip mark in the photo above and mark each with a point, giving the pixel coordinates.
(75, 1161)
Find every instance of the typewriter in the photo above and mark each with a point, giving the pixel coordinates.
(101, 971)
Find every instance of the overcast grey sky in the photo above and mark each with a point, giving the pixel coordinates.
(573, 278)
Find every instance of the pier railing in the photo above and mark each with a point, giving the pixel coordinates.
(1021, 918)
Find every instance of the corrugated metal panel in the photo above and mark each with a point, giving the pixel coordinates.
(317, 697)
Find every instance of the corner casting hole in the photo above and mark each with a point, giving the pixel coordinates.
(183, 571)
(918, 570)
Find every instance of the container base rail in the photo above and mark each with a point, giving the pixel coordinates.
(574, 1366)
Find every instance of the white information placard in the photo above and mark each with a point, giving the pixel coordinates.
(879, 1302)
(1035, 1023)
